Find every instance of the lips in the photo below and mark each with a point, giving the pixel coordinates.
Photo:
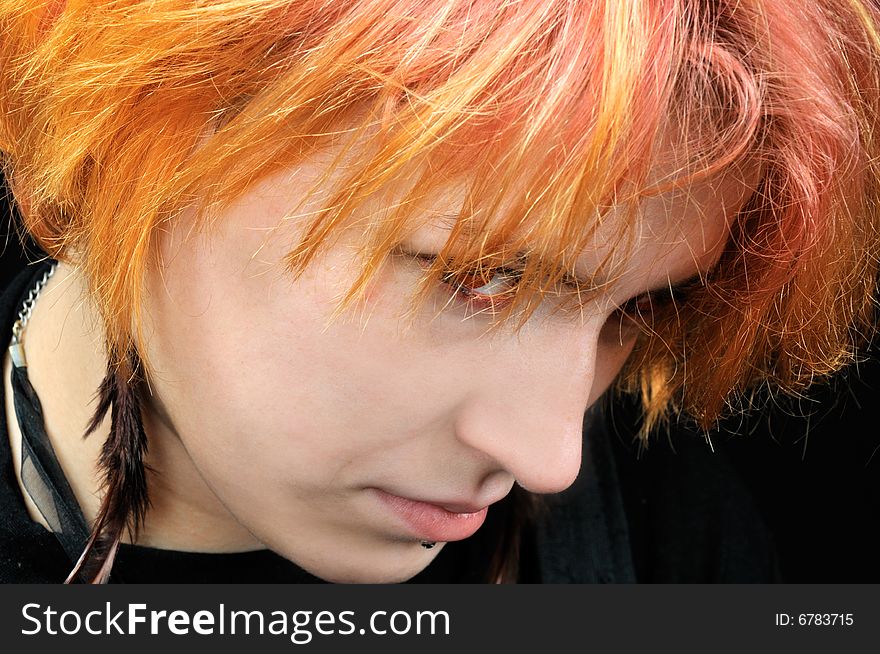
(435, 521)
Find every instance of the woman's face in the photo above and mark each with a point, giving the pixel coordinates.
(299, 428)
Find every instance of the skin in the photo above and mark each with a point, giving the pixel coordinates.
(271, 424)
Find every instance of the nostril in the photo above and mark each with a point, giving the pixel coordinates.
(549, 484)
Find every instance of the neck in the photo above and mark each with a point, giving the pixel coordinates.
(66, 363)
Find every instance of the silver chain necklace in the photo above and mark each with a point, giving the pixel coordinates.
(16, 349)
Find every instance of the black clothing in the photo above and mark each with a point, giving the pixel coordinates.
(813, 465)
(666, 517)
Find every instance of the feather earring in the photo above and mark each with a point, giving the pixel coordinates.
(125, 501)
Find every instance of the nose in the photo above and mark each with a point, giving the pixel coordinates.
(544, 456)
(525, 410)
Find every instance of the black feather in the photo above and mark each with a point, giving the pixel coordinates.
(125, 500)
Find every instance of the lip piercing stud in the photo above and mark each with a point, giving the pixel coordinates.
(427, 544)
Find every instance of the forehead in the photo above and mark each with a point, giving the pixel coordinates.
(677, 234)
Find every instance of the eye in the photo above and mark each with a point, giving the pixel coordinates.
(642, 308)
(484, 289)
(641, 305)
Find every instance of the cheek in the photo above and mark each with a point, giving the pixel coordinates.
(249, 368)
(235, 379)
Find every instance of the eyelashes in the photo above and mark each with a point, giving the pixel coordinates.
(491, 289)
(486, 289)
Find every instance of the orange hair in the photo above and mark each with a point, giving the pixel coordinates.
(103, 105)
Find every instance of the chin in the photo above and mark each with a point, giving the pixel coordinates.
(391, 567)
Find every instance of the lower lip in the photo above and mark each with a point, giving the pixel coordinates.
(431, 522)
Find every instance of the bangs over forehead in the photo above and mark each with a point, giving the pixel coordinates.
(547, 115)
